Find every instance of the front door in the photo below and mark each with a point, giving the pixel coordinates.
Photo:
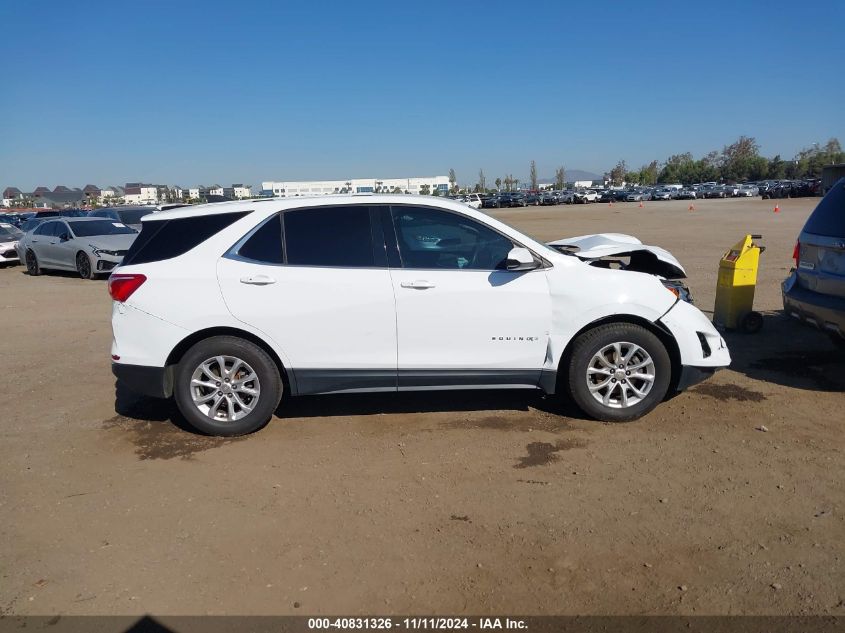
(312, 281)
(462, 319)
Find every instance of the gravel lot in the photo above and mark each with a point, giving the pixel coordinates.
(453, 503)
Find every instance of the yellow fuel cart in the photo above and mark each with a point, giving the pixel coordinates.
(735, 287)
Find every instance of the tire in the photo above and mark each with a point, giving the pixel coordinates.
(261, 394)
(583, 372)
(33, 268)
(83, 266)
(752, 322)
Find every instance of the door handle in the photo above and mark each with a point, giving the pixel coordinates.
(258, 280)
(419, 284)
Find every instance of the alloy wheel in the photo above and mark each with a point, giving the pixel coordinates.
(225, 388)
(620, 375)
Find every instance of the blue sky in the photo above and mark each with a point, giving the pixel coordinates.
(198, 92)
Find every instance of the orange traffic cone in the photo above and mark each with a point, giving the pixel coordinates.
(641, 204)
(691, 206)
(777, 208)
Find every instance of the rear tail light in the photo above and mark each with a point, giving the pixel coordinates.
(796, 252)
(121, 286)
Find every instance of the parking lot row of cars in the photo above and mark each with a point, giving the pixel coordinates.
(766, 189)
(91, 242)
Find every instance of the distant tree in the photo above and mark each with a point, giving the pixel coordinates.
(776, 168)
(397, 190)
(515, 183)
(532, 175)
(508, 182)
(617, 174)
(425, 190)
(560, 178)
(453, 181)
(498, 183)
(648, 173)
(482, 181)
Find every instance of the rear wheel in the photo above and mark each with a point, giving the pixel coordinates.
(618, 372)
(83, 266)
(32, 266)
(227, 386)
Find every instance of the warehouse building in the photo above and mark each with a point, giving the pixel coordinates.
(290, 189)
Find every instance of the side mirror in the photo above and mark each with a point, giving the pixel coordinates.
(521, 259)
(64, 237)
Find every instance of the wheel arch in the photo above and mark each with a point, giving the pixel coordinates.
(655, 328)
(185, 344)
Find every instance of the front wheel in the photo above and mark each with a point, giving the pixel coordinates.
(33, 269)
(227, 386)
(83, 266)
(618, 372)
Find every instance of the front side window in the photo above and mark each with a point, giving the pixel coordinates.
(329, 236)
(434, 239)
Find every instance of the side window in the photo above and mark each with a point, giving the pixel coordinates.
(165, 239)
(265, 245)
(45, 228)
(60, 228)
(329, 236)
(435, 239)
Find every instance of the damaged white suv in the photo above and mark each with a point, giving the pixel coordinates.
(230, 307)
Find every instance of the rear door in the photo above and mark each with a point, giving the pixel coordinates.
(44, 240)
(821, 261)
(316, 281)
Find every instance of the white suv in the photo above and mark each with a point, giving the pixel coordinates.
(230, 307)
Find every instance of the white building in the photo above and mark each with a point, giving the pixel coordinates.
(215, 190)
(290, 189)
(139, 193)
(194, 193)
(242, 192)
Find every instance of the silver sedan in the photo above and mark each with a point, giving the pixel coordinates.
(90, 246)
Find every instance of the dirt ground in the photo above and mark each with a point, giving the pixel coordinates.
(453, 503)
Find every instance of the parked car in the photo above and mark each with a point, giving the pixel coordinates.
(130, 216)
(214, 309)
(12, 218)
(548, 198)
(90, 246)
(714, 191)
(512, 199)
(34, 221)
(491, 202)
(814, 292)
(748, 191)
(637, 195)
(9, 237)
(687, 193)
(663, 194)
(583, 196)
(532, 199)
(473, 200)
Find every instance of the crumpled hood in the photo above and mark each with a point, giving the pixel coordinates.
(111, 242)
(644, 258)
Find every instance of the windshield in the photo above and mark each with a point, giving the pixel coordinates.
(7, 230)
(99, 227)
(133, 216)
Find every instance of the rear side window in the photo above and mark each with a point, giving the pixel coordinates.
(165, 239)
(829, 217)
(265, 245)
(329, 236)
